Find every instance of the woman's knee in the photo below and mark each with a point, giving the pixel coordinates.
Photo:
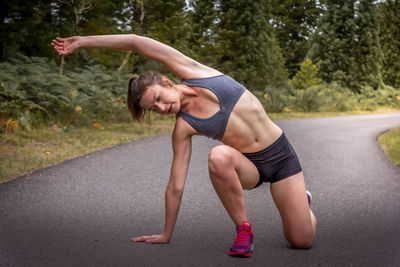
(219, 159)
(301, 239)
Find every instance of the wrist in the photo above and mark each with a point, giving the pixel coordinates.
(80, 41)
(167, 236)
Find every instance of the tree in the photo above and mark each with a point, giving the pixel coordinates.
(27, 27)
(368, 52)
(294, 22)
(78, 7)
(165, 21)
(307, 76)
(389, 22)
(203, 15)
(246, 44)
(134, 24)
(333, 43)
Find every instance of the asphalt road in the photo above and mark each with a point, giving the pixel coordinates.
(82, 212)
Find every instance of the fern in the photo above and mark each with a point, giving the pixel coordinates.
(32, 92)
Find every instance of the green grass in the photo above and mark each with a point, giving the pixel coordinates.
(304, 115)
(22, 152)
(390, 142)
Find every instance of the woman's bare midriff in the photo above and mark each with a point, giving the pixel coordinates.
(249, 128)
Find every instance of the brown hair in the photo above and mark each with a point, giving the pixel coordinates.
(136, 88)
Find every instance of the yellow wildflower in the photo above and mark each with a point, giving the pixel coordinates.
(11, 126)
(74, 92)
(97, 125)
(266, 96)
(287, 110)
(48, 153)
(78, 108)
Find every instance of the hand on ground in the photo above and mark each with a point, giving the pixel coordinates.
(153, 239)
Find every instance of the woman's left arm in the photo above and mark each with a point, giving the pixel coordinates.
(184, 66)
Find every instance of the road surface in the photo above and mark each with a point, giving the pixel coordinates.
(82, 212)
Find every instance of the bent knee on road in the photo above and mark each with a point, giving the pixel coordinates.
(301, 239)
(219, 159)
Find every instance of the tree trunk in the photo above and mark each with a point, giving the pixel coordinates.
(125, 62)
(62, 63)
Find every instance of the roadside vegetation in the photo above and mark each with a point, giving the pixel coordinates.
(300, 58)
(46, 119)
(390, 142)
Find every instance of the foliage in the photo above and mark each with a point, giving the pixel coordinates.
(367, 50)
(333, 41)
(294, 22)
(346, 46)
(306, 76)
(246, 44)
(328, 98)
(19, 20)
(389, 32)
(203, 15)
(33, 94)
(237, 37)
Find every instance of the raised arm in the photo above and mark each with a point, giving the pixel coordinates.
(183, 66)
(173, 194)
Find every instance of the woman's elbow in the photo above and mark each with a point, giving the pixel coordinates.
(175, 190)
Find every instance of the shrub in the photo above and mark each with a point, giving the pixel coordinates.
(307, 76)
(328, 98)
(32, 93)
(275, 99)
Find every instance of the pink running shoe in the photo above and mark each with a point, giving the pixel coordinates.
(243, 244)
(309, 197)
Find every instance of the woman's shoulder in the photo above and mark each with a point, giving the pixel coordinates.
(182, 129)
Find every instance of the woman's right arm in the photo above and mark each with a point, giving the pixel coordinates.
(182, 145)
(183, 66)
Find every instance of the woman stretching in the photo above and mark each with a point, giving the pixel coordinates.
(207, 102)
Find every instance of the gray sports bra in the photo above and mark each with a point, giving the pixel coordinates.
(228, 92)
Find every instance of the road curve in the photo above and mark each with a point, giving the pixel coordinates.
(82, 212)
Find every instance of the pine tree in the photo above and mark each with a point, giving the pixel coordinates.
(294, 21)
(246, 44)
(333, 43)
(389, 22)
(203, 19)
(307, 76)
(368, 52)
(27, 27)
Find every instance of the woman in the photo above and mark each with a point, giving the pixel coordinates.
(254, 150)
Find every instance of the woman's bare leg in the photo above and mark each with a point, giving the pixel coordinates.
(230, 173)
(299, 222)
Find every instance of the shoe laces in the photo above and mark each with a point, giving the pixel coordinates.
(243, 236)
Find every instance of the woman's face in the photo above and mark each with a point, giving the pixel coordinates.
(161, 99)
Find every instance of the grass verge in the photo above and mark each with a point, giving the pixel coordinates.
(23, 152)
(390, 142)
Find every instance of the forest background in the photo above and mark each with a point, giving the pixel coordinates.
(295, 56)
(303, 55)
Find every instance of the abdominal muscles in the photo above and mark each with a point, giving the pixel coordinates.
(249, 129)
